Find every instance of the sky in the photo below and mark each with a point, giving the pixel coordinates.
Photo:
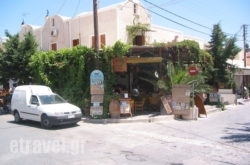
(192, 17)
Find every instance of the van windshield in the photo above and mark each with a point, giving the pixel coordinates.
(51, 99)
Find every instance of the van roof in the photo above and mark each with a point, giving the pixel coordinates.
(35, 89)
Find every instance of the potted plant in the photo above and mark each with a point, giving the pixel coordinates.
(114, 105)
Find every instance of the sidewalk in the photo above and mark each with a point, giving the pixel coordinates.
(242, 101)
(146, 118)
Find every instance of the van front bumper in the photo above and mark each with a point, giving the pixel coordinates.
(61, 120)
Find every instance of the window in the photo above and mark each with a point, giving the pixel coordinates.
(76, 42)
(93, 42)
(103, 40)
(33, 100)
(135, 8)
(53, 22)
(51, 99)
(139, 40)
(54, 46)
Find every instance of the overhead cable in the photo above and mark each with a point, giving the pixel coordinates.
(174, 21)
(177, 15)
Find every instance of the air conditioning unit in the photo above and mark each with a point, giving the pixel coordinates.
(54, 32)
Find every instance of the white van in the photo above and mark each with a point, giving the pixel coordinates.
(39, 103)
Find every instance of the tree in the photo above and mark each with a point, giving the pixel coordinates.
(15, 57)
(221, 48)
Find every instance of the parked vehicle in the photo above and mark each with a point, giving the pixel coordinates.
(39, 103)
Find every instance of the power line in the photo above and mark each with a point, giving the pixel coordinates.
(178, 15)
(178, 22)
(157, 6)
(62, 5)
(174, 21)
(76, 8)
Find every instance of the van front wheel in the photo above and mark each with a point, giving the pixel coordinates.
(17, 117)
(45, 121)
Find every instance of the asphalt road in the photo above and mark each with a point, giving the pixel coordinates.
(223, 138)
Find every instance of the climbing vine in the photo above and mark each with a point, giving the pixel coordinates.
(137, 29)
(67, 71)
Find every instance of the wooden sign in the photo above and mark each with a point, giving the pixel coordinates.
(97, 98)
(120, 64)
(137, 60)
(166, 105)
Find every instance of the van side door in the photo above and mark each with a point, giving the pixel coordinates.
(33, 108)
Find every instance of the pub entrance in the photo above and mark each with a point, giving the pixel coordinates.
(139, 83)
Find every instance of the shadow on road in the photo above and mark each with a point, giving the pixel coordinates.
(241, 133)
(34, 124)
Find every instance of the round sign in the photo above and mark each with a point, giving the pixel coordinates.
(192, 70)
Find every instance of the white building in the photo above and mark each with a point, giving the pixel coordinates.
(63, 32)
(3, 40)
(242, 76)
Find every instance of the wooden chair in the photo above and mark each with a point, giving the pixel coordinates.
(139, 104)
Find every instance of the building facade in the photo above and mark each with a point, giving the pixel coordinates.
(60, 32)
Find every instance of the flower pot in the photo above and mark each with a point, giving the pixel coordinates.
(114, 109)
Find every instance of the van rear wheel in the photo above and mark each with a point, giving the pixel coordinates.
(45, 123)
(17, 117)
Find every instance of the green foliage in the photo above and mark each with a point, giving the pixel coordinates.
(137, 29)
(120, 49)
(15, 57)
(221, 105)
(221, 49)
(178, 74)
(185, 52)
(65, 71)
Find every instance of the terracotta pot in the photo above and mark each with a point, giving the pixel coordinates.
(114, 109)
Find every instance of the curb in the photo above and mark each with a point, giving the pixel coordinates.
(151, 117)
(142, 119)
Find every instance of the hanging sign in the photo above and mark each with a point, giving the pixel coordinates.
(120, 64)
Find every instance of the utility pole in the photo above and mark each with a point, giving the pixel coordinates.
(244, 43)
(96, 33)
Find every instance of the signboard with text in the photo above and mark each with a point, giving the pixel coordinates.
(181, 99)
(97, 92)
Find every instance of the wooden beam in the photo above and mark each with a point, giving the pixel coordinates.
(136, 60)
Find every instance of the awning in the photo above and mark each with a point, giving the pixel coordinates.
(137, 60)
(120, 64)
